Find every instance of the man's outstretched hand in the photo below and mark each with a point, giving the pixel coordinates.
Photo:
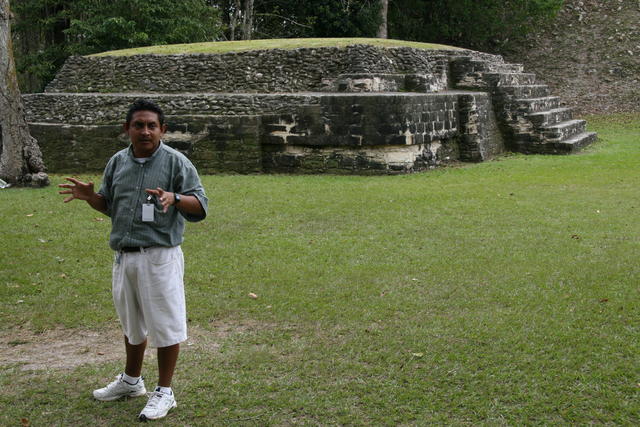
(83, 191)
(78, 190)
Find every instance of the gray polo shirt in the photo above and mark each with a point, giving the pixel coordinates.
(126, 178)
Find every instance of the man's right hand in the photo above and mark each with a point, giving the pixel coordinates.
(84, 191)
(78, 190)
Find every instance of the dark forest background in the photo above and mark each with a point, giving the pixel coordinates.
(46, 32)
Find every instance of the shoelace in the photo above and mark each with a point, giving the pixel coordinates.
(154, 400)
(117, 381)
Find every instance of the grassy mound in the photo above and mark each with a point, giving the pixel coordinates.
(246, 45)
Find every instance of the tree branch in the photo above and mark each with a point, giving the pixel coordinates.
(285, 18)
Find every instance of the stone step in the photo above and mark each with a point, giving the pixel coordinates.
(550, 117)
(563, 131)
(525, 91)
(493, 67)
(575, 143)
(365, 82)
(384, 82)
(471, 81)
(510, 79)
(536, 105)
(510, 68)
(568, 146)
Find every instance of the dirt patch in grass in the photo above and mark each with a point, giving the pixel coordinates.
(61, 348)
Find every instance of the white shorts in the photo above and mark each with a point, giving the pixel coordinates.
(148, 293)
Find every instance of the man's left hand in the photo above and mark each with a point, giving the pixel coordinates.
(166, 198)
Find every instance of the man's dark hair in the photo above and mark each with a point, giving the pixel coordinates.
(145, 105)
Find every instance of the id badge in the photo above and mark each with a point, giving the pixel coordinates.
(147, 212)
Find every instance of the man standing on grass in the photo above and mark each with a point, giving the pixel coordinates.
(148, 190)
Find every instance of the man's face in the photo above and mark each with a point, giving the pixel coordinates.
(145, 132)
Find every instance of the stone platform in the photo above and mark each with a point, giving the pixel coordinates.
(359, 109)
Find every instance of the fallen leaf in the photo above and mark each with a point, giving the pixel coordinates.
(604, 300)
(24, 422)
(252, 295)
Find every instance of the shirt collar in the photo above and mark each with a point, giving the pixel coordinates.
(149, 159)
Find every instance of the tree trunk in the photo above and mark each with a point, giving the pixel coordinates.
(20, 157)
(247, 32)
(382, 29)
(235, 18)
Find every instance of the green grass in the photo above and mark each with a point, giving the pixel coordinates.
(501, 293)
(246, 45)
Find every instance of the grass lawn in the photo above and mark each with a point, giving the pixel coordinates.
(497, 293)
(246, 45)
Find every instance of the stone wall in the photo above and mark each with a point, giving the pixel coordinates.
(77, 148)
(312, 133)
(363, 133)
(264, 71)
(97, 109)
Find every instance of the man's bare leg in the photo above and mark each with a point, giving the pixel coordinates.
(135, 356)
(161, 403)
(167, 359)
(121, 387)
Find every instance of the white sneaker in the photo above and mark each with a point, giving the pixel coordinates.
(120, 388)
(158, 405)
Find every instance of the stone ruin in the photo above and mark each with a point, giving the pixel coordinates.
(360, 109)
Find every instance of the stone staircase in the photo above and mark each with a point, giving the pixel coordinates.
(533, 120)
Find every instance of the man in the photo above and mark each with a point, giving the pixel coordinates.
(148, 190)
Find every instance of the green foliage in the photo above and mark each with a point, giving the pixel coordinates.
(315, 18)
(39, 47)
(48, 31)
(107, 25)
(343, 18)
(487, 25)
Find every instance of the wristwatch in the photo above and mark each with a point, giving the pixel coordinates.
(176, 198)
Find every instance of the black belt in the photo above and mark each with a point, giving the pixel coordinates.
(133, 248)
